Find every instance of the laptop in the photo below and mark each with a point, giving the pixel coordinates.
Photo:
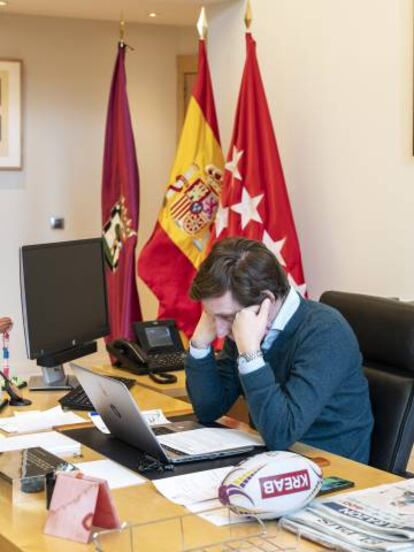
(118, 409)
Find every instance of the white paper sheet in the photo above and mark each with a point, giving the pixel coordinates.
(203, 441)
(98, 422)
(116, 475)
(218, 516)
(154, 418)
(52, 441)
(193, 487)
(9, 424)
(36, 420)
(198, 492)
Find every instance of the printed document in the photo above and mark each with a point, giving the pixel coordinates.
(214, 512)
(193, 487)
(206, 440)
(198, 492)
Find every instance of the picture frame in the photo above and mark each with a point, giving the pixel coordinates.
(10, 114)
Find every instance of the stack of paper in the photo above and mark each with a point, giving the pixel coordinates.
(36, 420)
(206, 440)
(379, 518)
(52, 441)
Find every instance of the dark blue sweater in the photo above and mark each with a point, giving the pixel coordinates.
(311, 388)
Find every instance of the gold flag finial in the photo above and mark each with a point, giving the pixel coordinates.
(121, 30)
(248, 16)
(202, 24)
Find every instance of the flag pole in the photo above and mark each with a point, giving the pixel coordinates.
(202, 24)
(122, 31)
(248, 16)
(122, 43)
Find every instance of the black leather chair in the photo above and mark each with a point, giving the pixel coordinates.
(385, 332)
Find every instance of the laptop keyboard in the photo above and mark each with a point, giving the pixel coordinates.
(77, 399)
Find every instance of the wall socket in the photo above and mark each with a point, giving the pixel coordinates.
(57, 223)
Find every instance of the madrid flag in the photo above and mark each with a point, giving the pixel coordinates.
(171, 257)
(254, 202)
(120, 207)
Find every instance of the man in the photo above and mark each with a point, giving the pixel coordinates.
(297, 362)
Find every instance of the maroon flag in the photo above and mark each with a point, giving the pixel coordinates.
(120, 208)
(254, 201)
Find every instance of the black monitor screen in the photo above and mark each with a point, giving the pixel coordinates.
(63, 295)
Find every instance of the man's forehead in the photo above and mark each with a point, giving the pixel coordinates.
(225, 305)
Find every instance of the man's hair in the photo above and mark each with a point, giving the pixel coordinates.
(244, 267)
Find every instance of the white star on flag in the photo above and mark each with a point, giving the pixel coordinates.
(247, 208)
(222, 219)
(301, 288)
(232, 165)
(275, 247)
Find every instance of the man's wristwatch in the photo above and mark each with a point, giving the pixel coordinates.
(247, 357)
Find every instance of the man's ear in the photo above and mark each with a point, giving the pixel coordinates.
(269, 294)
(275, 306)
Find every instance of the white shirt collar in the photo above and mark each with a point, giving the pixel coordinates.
(288, 309)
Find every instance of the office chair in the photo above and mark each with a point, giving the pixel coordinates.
(385, 332)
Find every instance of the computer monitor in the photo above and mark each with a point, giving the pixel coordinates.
(64, 303)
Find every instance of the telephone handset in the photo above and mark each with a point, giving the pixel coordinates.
(132, 357)
(129, 355)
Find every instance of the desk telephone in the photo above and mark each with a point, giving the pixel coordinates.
(158, 350)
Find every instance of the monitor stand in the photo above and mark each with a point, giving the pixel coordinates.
(53, 378)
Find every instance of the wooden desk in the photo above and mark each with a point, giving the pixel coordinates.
(21, 525)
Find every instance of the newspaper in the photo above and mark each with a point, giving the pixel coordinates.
(380, 518)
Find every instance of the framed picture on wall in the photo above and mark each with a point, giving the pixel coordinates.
(10, 114)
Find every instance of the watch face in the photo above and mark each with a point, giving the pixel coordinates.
(247, 357)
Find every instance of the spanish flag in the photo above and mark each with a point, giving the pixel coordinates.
(177, 246)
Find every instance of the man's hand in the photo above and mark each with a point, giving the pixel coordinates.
(249, 327)
(205, 332)
(6, 324)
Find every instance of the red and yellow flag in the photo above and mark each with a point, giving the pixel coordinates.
(169, 260)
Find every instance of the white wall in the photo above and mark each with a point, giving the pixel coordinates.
(338, 76)
(68, 67)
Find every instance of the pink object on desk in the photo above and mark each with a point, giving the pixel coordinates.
(78, 504)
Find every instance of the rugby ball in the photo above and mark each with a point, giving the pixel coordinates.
(270, 485)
